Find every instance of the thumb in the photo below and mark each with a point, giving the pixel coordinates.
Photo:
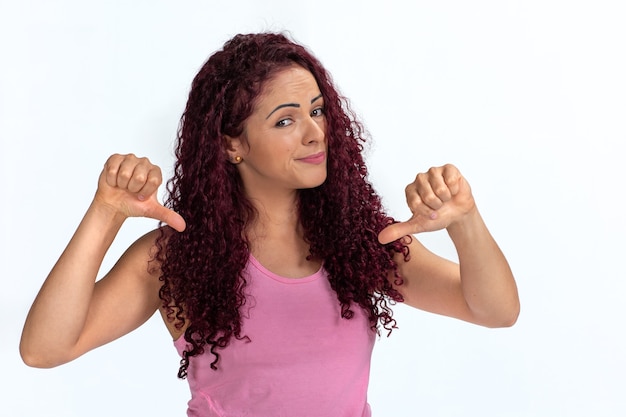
(168, 216)
(395, 231)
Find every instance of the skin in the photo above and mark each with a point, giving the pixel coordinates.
(481, 288)
(73, 313)
(287, 125)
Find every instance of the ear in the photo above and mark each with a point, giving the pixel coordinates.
(234, 147)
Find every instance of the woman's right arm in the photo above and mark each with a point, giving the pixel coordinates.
(73, 313)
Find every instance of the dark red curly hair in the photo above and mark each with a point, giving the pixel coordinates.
(202, 266)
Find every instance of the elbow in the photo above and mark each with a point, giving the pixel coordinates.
(514, 317)
(503, 323)
(37, 358)
(506, 318)
(40, 362)
(500, 316)
(32, 359)
(513, 314)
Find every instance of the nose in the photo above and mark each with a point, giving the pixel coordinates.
(315, 130)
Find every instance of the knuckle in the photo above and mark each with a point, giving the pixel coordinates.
(154, 181)
(415, 201)
(112, 160)
(140, 177)
(430, 198)
(441, 190)
(124, 175)
(111, 169)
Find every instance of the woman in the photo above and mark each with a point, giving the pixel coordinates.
(277, 265)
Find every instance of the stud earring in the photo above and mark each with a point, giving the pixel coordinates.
(238, 159)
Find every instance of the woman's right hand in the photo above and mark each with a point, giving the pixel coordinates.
(128, 185)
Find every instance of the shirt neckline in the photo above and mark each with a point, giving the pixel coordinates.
(285, 280)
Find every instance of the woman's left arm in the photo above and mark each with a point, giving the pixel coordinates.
(481, 288)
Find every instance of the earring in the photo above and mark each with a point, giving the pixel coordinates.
(238, 159)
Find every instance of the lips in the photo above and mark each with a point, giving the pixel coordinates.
(316, 158)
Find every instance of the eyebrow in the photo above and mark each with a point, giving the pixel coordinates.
(280, 106)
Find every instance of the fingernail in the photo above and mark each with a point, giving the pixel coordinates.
(141, 197)
(433, 215)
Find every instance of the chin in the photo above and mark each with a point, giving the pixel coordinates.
(314, 183)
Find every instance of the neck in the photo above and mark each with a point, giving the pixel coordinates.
(276, 214)
(276, 236)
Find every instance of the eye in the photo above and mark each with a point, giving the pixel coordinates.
(317, 112)
(284, 122)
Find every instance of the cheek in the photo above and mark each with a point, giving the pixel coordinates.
(324, 129)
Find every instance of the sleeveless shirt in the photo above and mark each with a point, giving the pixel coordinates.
(301, 360)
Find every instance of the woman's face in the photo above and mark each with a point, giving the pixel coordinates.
(283, 144)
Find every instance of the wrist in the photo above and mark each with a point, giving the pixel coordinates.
(106, 212)
(467, 227)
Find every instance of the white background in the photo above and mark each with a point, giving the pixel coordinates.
(528, 98)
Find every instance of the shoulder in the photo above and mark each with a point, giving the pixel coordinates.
(146, 248)
(144, 256)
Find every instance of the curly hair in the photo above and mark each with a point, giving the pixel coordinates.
(201, 268)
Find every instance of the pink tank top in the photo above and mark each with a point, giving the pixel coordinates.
(302, 360)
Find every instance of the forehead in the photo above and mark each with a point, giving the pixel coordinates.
(293, 83)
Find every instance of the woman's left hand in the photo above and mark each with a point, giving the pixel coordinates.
(437, 198)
